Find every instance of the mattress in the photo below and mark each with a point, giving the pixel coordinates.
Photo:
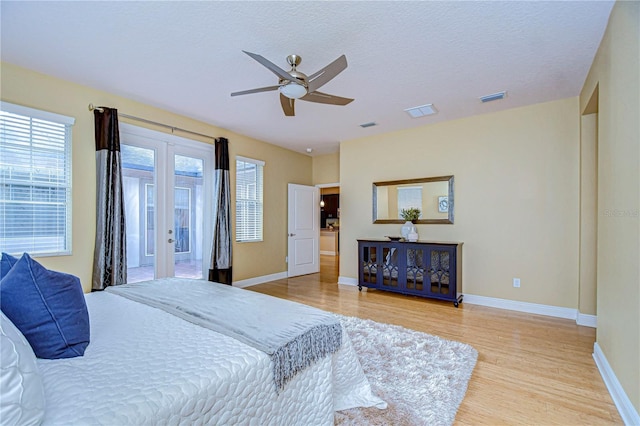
(145, 366)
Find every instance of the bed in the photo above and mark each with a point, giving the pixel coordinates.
(148, 366)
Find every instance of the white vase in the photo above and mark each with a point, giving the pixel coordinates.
(406, 229)
(413, 235)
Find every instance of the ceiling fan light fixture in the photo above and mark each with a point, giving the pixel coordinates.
(293, 90)
(294, 84)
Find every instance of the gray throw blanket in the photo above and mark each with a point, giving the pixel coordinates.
(293, 335)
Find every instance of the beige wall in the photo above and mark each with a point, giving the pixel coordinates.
(588, 213)
(516, 196)
(326, 168)
(25, 87)
(616, 73)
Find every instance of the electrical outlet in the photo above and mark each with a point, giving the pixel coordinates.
(516, 282)
(286, 259)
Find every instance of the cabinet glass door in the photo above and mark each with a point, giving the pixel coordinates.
(441, 272)
(416, 269)
(390, 268)
(369, 264)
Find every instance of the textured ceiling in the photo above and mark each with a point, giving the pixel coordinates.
(187, 57)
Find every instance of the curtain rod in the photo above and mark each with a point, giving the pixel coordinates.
(155, 123)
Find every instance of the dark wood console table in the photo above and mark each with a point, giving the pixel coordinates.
(423, 268)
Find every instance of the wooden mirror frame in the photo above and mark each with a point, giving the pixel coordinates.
(448, 179)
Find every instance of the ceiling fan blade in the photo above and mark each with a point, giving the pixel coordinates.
(287, 105)
(271, 66)
(324, 98)
(261, 89)
(323, 76)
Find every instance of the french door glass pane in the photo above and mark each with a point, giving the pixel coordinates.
(139, 201)
(188, 216)
(149, 221)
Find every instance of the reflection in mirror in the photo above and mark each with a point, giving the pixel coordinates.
(433, 196)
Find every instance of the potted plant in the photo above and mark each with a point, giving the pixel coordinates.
(409, 230)
(411, 214)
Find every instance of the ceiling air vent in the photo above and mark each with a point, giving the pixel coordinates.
(421, 111)
(369, 124)
(493, 97)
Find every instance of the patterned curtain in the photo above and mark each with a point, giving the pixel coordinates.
(221, 251)
(109, 256)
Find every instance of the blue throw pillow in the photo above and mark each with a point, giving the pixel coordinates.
(6, 263)
(48, 307)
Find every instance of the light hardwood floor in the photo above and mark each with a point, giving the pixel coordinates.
(531, 369)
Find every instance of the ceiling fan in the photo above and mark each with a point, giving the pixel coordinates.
(294, 85)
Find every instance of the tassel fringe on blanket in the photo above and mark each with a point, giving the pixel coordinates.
(304, 350)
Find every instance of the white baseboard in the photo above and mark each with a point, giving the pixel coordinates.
(513, 305)
(533, 308)
(623, 403)
(260, 280)
(587, 320)
(347, 281)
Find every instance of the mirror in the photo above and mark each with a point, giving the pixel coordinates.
(433, 196)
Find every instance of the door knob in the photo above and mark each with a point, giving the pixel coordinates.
(170, 240)
(292, 235)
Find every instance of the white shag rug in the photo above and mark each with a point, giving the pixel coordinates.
(423, 378)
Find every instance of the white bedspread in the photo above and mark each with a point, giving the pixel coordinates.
(145, 366)
(292, 334)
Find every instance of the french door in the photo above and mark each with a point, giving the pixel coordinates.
(167, 185)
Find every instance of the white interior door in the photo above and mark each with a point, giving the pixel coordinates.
(303, 230)
(167, 190)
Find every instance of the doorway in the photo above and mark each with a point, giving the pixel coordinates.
(167, 185)
(329, 267)
(329, 231)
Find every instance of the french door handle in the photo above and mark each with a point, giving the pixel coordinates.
(170, 240)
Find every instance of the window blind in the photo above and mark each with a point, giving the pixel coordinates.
(409, 196)
(249, 190)
(35, 181)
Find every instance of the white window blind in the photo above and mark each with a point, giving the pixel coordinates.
(35, 181)
(249, 210)
(409, 196)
